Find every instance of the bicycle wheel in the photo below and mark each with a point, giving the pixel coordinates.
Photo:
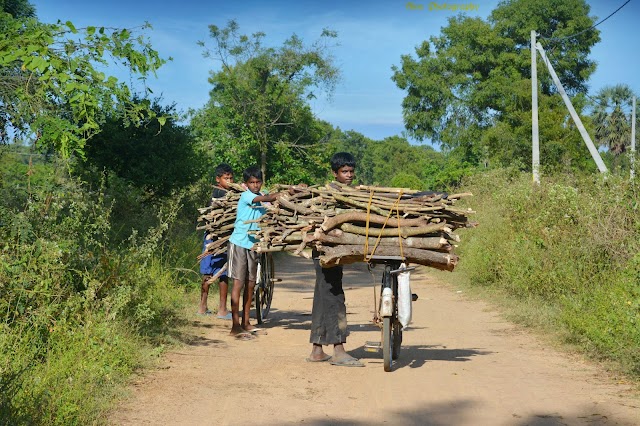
(264, 287)
(387, 332)
(396, 339)
(386, 343)
(257, 293)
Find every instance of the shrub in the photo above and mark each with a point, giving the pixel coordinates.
(570, 244)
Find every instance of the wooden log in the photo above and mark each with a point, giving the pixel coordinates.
(283, 201)
(338, 220)
(391, 232)
(338, 237)
(361, 205)
(345, 254)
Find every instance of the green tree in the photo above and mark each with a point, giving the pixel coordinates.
(158, 162)
(18, 8)
(53, 89)
(470, 87)
(612, 124)
(258, 107)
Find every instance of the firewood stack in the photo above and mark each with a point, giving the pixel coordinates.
(217, 220)
(348, 224)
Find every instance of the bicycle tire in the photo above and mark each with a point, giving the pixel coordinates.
(264, 287)
(396, 339)
(257, 293)
(386, 343)
(387, 324)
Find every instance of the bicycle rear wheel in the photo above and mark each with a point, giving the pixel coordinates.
(264, 287)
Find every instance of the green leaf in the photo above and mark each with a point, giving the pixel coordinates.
(70, 25)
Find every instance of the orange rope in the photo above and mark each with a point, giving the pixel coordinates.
(366, 236)
(397, 207)
(399, 231)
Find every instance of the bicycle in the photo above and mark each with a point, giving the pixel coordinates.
(387, 310)
(265, 280)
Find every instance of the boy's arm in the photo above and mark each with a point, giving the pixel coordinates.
(267, 197)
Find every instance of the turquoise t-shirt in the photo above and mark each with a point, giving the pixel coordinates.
(247, 210)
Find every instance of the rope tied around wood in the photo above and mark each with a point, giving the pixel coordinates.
(367, 256)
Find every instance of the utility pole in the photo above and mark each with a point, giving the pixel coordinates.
(633, 136)
(576, 119)
(535, 137)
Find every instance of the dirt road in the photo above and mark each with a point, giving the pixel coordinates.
(460, 364)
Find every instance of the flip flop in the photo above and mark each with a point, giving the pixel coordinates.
(260, 331)
(224, 317)
(348, 362)
(245, 336)
(325, 358)
(207, 313)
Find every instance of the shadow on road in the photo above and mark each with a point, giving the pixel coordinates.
(463, 412)
(415, 356)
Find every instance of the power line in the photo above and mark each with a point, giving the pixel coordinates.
(596, 102)
(588, 29)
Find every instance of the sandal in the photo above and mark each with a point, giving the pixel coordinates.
(244, 336)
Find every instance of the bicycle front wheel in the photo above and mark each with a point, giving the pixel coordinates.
(396, 339)
(264, 287)
(386, 343)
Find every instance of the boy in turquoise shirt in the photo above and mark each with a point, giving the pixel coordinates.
(243, 261)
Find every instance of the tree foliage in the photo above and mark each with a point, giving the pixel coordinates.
(149, 159)
(612, 125)
(258, 110)
(52, 87)
(469, 88)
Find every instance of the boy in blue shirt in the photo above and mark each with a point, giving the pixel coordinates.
(212, 265)
(243, 261)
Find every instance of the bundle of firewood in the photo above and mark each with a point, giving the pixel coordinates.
(217, 220)
(349, 224)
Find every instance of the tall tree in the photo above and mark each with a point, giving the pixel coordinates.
(469, 87)
(612, 124)
(258, 102)
(53, 88)
(18, 8)
(158, 162)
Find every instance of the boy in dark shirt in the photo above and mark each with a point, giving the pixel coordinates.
(329, 312)
(211, 265)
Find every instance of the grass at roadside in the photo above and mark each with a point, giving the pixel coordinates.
(563, 257)
(89, 294)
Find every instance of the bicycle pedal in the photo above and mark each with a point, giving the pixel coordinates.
(372, 346)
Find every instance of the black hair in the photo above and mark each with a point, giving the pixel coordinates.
(341, 159)
(223, 169)
(253, 171)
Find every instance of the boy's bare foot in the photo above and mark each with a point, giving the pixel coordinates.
(236, 330)
(317, 354)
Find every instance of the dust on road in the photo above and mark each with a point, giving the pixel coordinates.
(460, 364)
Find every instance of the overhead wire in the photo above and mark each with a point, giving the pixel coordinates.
(588, 29)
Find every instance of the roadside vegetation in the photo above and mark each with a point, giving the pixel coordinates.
(99, 186)
(564, 257)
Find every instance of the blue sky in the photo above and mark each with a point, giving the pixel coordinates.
(372, 36)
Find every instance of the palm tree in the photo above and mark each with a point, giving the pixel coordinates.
(613, 125)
